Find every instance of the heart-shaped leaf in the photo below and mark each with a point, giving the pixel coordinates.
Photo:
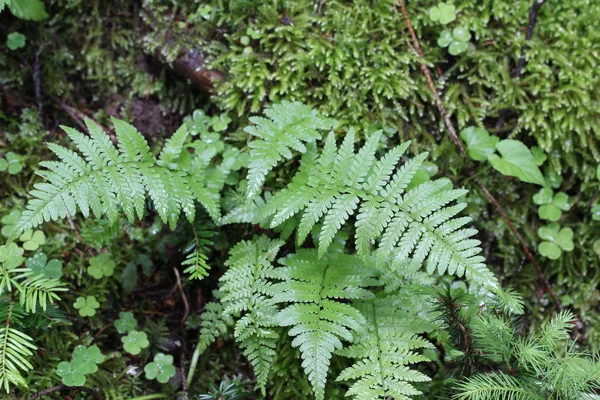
(544, 196)
(445, 38)
(549, 212)
(539, 157)
(39, 265)
(11, 256)
(516, 160)
(87, 306)
(101, 266)
(135, 341)
(87, 358)
(161, 368)
(32, 240)
(561, 200)
(72, 374)
(126, 322)
(550, 250)
(443, 12)
(480, 144)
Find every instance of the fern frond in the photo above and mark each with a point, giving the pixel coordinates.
(214, 323)
(15, 348)
(37, 290)
(288, 126)
(383, 351)
(197, 253)
(248, 290)
(497, 386)
(318, 319)
(422, 222)
(105, 179)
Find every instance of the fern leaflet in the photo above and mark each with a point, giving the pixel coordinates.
(288, 126)
(319, 320)
(383, 350)
(248, 290)
(335, 184)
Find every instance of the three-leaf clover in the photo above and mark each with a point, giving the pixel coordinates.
(161, 368)
(39, 265)
(220, 123)
(551, 206)
(443, 12)
(101, 266)
(480, 144)
(135, 341)
(516, 160)
(9, 221)
(11, 256)
(11, 163)
(457, 41)
(87, 358)
(86, 305)
(72, 373)
(15, 40)
(555, 240)
(126, 322)
(32, 240)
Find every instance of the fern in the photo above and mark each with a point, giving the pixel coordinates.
(197, 253)
(497, 387)
(105, 179)
(337, 183)
(319, 320)
(288, 126)
(248, 290)
(15, 346)
(383, 350)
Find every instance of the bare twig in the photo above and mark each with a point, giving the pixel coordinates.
(37, 81)
(450, 127)
(80, 117)
(183, 296)
(47, 391)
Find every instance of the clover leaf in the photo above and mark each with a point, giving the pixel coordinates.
(480, 144)
(135, 341)
(15, 40)
(11, 163)
(126, 322)
(101, 266)
(516, 160)
(596, 247)
(86, 305)
(596, 212)
(9, 221)
(443, 12)
(551, 205)
(161, 368)
(32, 240)
(555, 240)
(87, 358)
(457, 41)
(538, 155)
(39, 265)
(220, 123)
(72, 373)
(11, 256)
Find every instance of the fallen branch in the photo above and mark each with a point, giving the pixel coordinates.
(450, 127)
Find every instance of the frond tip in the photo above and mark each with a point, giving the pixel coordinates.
(288, 126)
(104, 179)
(422, 223)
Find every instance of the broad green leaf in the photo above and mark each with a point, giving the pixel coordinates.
(516, 160)
(445, 38)
(461, 34)
(15, 40)
(550, 250)
(549, 212)
(480, 144)
(544, 196)
(161, 368)
(443, 12)
(39, 265)
(561, 200)
(32, 10)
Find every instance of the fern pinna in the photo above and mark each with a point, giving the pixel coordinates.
(319, 321)
(383, 349)
(106, 179)
(336, 183)
(248, 290)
